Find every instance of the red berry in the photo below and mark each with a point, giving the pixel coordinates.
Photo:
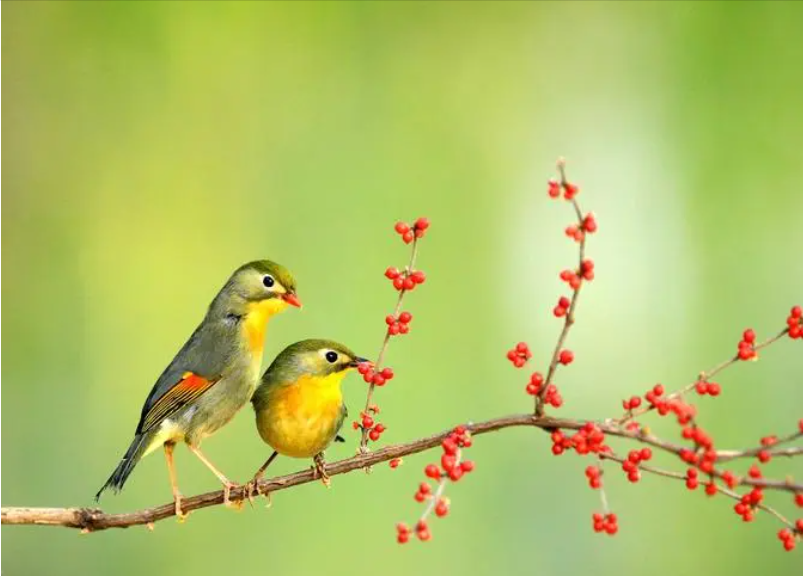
(432, 471)
(422, 223)
(441, 508)
(408, 236)
(566, 357)
(553, 188)
(449, 446)
(590, 223)
(392, 273)
(749, 336)
(405, 317)
(467, 465)
(402, 227)
(374, 435)
(418, 277)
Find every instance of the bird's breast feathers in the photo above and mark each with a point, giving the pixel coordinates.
(256, 322)
(301, 419)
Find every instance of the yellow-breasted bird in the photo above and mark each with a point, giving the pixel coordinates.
(299, 404)
(213, 375)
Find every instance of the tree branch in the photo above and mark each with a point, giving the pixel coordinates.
(94, 519)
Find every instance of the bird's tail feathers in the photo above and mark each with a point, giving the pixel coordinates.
(132, 456)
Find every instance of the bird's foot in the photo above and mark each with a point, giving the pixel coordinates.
(319, 470)
(250, 489)
(180, 514)
(227, 501)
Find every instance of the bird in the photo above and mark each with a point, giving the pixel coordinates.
(299, 405)
(213, 375)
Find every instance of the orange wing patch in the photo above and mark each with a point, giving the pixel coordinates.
(189, 388)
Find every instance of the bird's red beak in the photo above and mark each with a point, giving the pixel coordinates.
(291, 299)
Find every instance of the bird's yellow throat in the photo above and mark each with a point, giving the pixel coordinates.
(256, 321)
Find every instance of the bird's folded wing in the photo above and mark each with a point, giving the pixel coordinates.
(190, 387)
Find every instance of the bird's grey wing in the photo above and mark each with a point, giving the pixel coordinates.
(195, 369)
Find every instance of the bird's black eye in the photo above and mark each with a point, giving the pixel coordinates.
(331, 357)
(268, 281)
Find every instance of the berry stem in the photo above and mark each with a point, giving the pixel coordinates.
(568, 320)
(381, 356)
(702, 377)
(682, 477)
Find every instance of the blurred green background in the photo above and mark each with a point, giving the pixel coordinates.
(153, 147)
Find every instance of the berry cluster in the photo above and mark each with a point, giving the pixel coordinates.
(551, 395)
(746, 349)
(405, 280)
(631, 404)
(562, 307)
(588, 225)
(375, 377)
(519, 354)
(795, 322)
(606, 523)
(588, 439)
(569, 190)
(398, 324)
(452, 468)
(409, 233)
(631, 465)
(372, 428)
(710, 388)
(594, 475)
(789, 537)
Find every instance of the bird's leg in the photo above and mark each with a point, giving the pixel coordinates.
(171, 470)
(227, 484)
(320, 469)
(253, 484)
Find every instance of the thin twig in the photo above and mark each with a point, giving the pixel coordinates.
(569, 318)
(381, 356)
(720, 489)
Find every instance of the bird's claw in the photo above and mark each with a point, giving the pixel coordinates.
(319, 470)
(181, 516)
(227, 501)
(254, 487)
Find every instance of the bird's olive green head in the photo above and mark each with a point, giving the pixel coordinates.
(258, 281)
(313, 357)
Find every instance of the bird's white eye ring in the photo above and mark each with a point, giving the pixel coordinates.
(331, 356)
(268, 281)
